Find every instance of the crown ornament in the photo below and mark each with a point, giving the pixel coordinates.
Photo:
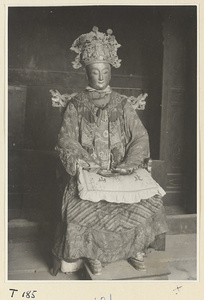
(96, 46)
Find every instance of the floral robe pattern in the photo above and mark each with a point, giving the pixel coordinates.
(104, 137)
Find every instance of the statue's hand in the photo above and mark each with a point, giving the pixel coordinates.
(107, 173)
(123, 171)
(83, 164)
(88, 166)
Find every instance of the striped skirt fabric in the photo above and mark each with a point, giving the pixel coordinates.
(106, 231)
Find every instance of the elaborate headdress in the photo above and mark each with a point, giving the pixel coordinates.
(96, 46)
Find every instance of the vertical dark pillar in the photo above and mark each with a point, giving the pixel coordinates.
(190, 129)
(178, 128)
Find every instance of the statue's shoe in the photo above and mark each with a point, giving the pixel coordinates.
(138, 264)
(96, 267)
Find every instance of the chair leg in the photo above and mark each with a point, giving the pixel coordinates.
(56, 265)
(159, 243)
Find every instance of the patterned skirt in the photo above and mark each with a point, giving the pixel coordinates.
(106, 231)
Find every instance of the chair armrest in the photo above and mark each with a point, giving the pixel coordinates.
(147, 164)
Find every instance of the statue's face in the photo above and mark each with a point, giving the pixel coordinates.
(99, 75)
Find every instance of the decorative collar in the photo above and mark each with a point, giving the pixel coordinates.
(107, 90)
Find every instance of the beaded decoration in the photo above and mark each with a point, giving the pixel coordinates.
(96, 46)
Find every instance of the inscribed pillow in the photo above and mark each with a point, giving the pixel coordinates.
(120, 189)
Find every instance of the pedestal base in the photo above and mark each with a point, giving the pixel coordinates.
(157, 269)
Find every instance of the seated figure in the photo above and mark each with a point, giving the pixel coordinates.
(102, 134)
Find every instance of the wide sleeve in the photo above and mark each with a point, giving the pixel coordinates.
(68, 147)
(137, 147)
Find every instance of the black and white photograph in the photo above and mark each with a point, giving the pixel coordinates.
(102, 155)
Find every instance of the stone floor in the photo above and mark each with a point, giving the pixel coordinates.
(182, 256)
(30, 259)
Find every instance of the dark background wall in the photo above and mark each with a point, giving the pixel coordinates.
(40, 38)
(155, 52)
